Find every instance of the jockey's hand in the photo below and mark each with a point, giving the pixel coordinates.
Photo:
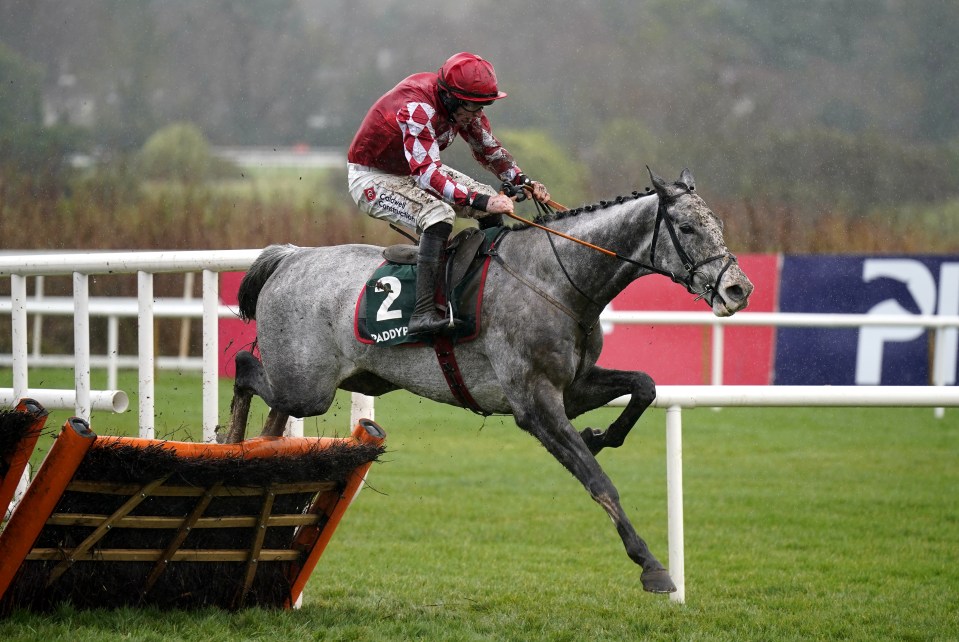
(499, 204)
(539, 191)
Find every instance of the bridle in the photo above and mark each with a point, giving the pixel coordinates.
(709, 292)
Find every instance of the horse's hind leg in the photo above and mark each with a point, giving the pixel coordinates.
(275, 423)
(239, 415)
(307, 400)
(249, 373)
(596, 388)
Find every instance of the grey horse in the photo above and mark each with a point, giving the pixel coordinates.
(535, 356)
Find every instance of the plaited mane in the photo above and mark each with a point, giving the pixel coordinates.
(561, 214)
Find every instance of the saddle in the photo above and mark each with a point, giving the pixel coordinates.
(385, 303)
(461, 252)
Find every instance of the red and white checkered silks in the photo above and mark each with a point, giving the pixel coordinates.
(407, 128)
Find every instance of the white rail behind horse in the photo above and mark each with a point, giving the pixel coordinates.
(675, 398)
(145, 265)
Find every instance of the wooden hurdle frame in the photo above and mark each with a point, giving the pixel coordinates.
(312, 525)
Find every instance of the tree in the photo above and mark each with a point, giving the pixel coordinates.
(178, 152)
(29, 153)
(544, 160)
(21, 91)
(932, 61)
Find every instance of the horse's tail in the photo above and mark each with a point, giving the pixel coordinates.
(261, 270)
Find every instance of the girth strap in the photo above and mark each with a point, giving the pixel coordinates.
(454, 378)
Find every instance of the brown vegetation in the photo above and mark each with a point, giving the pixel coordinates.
(197, 217)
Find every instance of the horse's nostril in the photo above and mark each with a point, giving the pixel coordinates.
(735, 292)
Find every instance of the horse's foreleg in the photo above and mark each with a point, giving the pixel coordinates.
(249, 375)
(597, 387)
(239, 414)
(543, 417)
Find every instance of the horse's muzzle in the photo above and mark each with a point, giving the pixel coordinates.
(732, 292)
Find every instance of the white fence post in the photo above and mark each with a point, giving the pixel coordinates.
(145, 386)
(81, 344)
(674, 501)
(113, 351)
(294, 427)
(211, 342)
(184, 349)
(361, 407)
(37, 318)
(18, 313)
(717, 352)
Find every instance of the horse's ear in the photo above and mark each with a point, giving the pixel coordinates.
(669, 191)
(658, 183)
(686, 178)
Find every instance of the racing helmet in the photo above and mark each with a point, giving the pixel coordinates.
(469, 77)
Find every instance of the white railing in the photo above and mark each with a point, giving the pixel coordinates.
(145, 308)
(943, 357)
(144, 265)
(114, 308)
(675, 398)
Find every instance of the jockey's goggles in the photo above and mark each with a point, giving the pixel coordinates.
(472, 107)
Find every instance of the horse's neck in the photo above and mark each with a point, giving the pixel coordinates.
(625, 229)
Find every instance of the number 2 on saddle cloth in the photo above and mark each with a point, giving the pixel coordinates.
(385, 304)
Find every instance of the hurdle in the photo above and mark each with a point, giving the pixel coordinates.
(109, 521)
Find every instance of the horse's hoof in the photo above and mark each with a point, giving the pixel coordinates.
(592, 437)
(657, 581)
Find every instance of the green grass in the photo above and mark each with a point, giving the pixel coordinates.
(800, 524)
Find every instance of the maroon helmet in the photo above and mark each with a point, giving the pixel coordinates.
(469, 77)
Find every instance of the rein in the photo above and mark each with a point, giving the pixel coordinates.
(662, 216)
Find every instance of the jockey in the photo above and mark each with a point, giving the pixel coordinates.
(395, 172)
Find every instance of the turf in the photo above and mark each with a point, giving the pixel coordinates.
(800, 524)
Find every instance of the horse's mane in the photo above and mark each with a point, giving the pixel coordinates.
(555, 215)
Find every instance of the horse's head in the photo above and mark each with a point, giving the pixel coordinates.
(688, 245)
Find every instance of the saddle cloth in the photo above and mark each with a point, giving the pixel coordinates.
(385, 303)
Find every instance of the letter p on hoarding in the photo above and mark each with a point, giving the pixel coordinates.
(922, 288)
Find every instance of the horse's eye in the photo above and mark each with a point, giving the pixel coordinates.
(686, 228)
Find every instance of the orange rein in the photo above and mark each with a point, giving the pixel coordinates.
(562, 208)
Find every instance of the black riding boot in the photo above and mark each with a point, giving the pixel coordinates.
(426, 319)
